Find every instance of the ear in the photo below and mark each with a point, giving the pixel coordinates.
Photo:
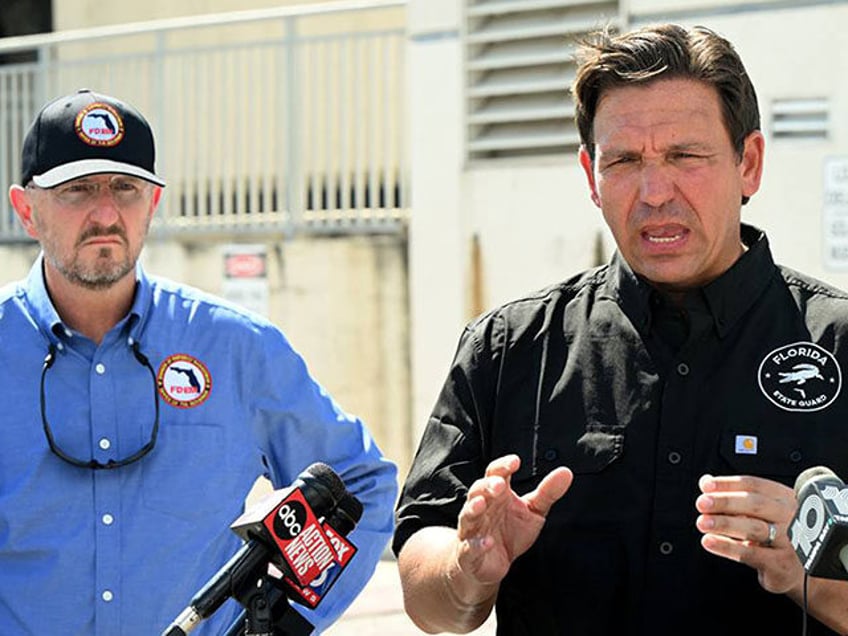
(751, 165)
(154, 202)
(588, 168)
(22, 203)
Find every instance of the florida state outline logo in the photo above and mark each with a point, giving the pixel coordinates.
(183, 381)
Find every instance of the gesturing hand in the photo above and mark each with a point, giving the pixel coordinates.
(496, 525)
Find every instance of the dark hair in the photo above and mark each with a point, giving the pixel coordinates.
(664, 51)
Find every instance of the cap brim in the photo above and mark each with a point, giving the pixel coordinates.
(88, 167)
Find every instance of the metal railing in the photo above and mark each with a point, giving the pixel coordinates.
(283, 120)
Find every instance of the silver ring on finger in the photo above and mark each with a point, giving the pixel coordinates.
(772, 535)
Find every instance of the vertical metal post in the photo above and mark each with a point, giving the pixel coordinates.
(294, 170)
(158, 98)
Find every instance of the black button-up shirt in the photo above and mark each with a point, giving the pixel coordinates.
(639, 398)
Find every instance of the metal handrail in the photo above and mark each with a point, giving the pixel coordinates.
(227, 18)
(323, 148)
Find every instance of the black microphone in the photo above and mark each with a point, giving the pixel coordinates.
(336, 525)
(819, 530)
(281, 528)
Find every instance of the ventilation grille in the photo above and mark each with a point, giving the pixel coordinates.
(519, 64)
(800, 118)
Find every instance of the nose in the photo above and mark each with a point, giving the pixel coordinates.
(104, 208)
(656, 185)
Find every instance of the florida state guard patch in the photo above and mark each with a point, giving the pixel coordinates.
(800, 377)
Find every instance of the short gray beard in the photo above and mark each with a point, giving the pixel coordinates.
(95, 278)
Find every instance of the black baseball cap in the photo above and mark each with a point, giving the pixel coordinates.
(87, 133)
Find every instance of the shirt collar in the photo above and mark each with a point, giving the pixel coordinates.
(728, 297)
(48, 320)
(733, 293)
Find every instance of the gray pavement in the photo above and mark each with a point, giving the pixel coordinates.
(378, 611)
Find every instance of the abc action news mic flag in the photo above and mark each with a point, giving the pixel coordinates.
(292, 530)
(336, 525)
(819, 530)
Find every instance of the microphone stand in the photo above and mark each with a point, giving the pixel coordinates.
(267, 612)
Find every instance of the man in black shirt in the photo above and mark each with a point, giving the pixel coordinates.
(614, 454)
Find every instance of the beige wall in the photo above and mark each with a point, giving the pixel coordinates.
(77, 14)
(342, 302)
(659, 6)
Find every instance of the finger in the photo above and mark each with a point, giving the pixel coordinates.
(492, 486)
(723, 546)
(743, 483)
(759, 531)
(727, 503)
(550, 490)
(472, 518)
(485, 501)
(504, 466)
(751, 504)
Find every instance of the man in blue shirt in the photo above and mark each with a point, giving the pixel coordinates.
(139, 412)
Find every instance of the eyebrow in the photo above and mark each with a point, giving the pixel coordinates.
(677, 147)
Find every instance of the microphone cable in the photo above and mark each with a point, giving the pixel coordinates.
(804, 615)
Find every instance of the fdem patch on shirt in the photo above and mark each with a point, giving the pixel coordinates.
(183, 381)
(801, 376)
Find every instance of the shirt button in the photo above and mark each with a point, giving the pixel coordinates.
(551, 454)
(107, 519)
(795, 456)
(683, 368)
(674, 457)
(100, 368)
(107, 595)
(105, 444)
(666, 547)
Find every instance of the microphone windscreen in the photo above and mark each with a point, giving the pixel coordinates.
(351, 506)
(328, 478)
(812, 473)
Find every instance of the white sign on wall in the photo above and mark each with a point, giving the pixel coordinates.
(835, 213)
(246, 277)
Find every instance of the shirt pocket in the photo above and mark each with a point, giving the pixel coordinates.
(587, 451)
(187, 471)
(782, 452)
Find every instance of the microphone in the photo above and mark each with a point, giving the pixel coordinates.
(282, 528)
(819, 530)
(336, 526)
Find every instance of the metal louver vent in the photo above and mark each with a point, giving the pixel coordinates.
(800, 118)
(519, 65)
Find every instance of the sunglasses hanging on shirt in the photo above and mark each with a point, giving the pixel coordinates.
(49, 360)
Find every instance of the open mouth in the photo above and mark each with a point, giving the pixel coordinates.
(666, 235)
(664, 239)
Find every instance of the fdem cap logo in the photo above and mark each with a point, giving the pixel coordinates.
(183, 381)
(800, 376)
(99, 124)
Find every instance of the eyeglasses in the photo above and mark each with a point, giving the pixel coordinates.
(79, 193)
(93, 463)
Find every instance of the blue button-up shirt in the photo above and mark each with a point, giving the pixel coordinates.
(122, 552)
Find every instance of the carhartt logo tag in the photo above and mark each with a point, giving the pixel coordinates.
(746, 444)
(800, 377)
